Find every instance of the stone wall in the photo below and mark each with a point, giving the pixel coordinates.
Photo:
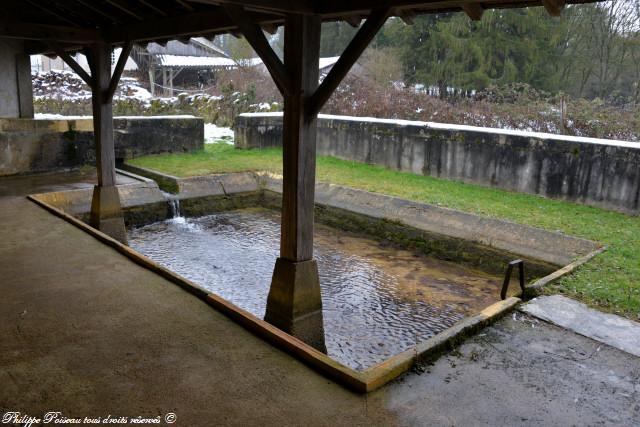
(596, 172)
(28, 145)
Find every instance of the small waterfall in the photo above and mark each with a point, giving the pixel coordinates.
(174, 205)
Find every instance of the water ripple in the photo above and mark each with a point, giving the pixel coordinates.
(377, 300)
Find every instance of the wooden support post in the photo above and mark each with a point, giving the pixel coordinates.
(254, 35)
(171, 82)
(152, 79)
(554, 7)
(354, 49)
(165, 85)
(25, 89)
(117, 72)
(294, 304)
(73, 64)
(106, 214)
(473, 10)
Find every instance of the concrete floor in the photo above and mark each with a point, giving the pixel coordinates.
(87, 332)
(19, 185)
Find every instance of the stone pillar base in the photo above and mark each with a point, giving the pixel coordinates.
(294, 304)
(106, 214)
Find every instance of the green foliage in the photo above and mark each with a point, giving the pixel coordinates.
(610, 281)
(335, 38)
(590, 51)
(504, 47)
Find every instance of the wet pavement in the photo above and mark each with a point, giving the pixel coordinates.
(523, 372)
(23, 185)
(87, 332)
(616, 331)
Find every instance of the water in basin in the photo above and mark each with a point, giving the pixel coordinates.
(378, 300)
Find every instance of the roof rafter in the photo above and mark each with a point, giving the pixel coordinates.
(185, 5)
(126, 10)
(28, 31)
(118, 21)
(209, 21)
(87, 4)
(280, 6)
(338, 7)
(554, 7)
(52, 12)
(473, 10)
(152, 7)
(88, 79)
(254, 35)
(354, 49)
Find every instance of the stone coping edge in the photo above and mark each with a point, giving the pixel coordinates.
(272, 182)
(362, 382)
(536, 286)
(168, 183)
(133, 175)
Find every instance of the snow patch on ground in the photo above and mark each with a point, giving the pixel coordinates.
(67, 86)
(213, 134)
(135, 91)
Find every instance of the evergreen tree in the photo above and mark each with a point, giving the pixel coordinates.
(335, 38)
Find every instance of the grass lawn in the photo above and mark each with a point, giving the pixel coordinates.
(610, 281)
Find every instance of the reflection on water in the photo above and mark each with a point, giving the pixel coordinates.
(377, 300)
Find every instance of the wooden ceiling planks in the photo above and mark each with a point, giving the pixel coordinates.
(81, 22)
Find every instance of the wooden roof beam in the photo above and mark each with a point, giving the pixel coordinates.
(473, 10)
(279, 6)
(358, 44)
(254, 35)
(353, 20)
(270, 28)
(185, 5)
(117, 72)
(28, 31)
(73, 64)
(338, 8)
(87, 4)
(554, 7)
(192, 24)
(152, 7)
(51, 13)
(126, 10)
(407, 16)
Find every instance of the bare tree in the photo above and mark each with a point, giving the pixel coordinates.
(602, 44)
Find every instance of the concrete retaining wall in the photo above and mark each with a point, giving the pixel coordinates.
(28, 145)
(547, 246)
(596, 172)
(11, 88)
